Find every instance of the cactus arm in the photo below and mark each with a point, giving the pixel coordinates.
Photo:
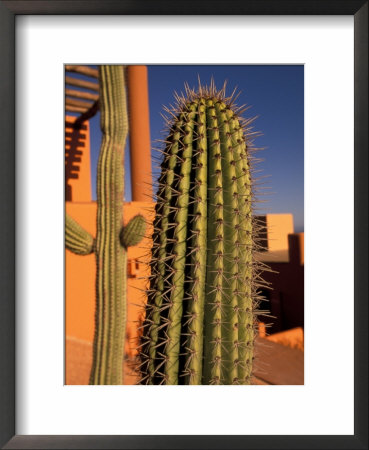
(111, 257)
(133, 232)
(77, 239)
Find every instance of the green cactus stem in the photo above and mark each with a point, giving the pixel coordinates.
(111, 257)
(200, 317)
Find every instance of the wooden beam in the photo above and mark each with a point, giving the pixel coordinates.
(81, 94)
(75, 109)
(82, 83)
(84, 70)
(81, 103)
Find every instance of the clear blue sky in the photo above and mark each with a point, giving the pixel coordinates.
(275, 94)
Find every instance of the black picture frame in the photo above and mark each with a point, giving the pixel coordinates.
(8, 12)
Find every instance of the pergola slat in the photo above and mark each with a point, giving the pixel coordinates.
(81, 103)
(82, 83)
(81, 94)
(75, 109)
(84, 70)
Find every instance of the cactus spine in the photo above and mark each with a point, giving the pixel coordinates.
(111, 253)
(200, 318)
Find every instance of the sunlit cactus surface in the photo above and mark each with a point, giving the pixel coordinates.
(201, 311)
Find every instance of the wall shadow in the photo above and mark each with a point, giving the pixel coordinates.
(74, 146)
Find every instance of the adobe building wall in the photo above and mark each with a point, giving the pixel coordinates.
(284, 254)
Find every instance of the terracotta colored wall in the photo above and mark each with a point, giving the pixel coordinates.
(279, 226)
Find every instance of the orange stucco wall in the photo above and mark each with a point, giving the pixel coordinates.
(279, 227)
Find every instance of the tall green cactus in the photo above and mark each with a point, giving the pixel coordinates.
(111, 242)
(200, 317)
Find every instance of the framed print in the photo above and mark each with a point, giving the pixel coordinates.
(275, 236)
(312, 58)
